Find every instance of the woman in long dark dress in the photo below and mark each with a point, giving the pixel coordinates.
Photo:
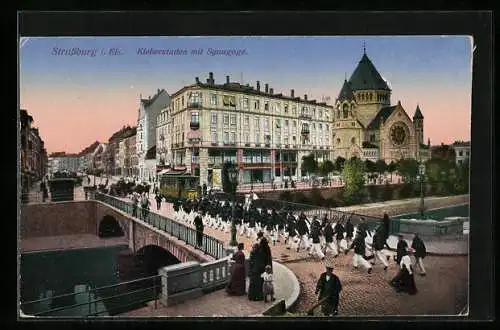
(256, 266)
(404, 280)
(265, 254)
(236, 286)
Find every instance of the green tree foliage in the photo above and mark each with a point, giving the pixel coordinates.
(339, 163)
(327, 167)
(408, 169)
(227, 186)
(391, 168)
(370, 166)
(461, 184)
(309, 164)
(381, 166)
(354, 178)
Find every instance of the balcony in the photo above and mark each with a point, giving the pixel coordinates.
(194, 125)
(194, 105)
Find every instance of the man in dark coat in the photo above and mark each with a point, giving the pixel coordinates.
(329, 244)
(328, 288)
(158, 201)
(316, 246)
(291, 228)
(420, 252)
(303, 231)
(401, 249)
(349, 230)
(198, 224)
(378, 246)
(359, 247)
(362, 228)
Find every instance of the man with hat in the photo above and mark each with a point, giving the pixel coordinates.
(401, 249)
(328, 288)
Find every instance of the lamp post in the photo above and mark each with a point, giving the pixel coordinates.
(421, 173)
(233, 178)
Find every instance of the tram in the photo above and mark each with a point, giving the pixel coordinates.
(179, 185)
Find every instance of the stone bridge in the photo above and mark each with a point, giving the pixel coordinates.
(95, 217)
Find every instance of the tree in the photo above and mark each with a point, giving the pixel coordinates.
(354, 178)
(461, 184)
(408, 169)
(309, 164)
(339, 163)
(327, 167)
(381, 166)
(391, 168)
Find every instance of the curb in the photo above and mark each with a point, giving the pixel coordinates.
(292, 300)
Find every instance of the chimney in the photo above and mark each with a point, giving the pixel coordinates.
(158, 91)
(227, 79)
(211, 80)
(271, 91)
(258, 86)
(197, 80)
(292, 93)
(267, 88)
(305, 97)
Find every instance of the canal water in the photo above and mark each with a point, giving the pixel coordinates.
(439, 214)
(45, 275)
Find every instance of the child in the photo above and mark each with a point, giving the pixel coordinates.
(268, 288)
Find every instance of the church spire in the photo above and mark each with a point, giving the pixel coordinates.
(364, 48)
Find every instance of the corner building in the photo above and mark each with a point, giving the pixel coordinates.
(264, 133)
(367, 126)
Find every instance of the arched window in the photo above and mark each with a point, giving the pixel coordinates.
(338, 141)
(338, 114)
(345, 110)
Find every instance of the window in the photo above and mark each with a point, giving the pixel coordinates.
(256, 105)
(256, 123)
(244, 102)
(266, 125)
(327, 127)
(285, 140)
(233, 137)
(294, 110)
(257, 137)
(194, 99)
(286, 108)
(353, 140)
(278, 123)
(460, 153)
(278, 138)
(294, 138)
(266, 106)
(226, 119)
(314, 126)
(320, 127)
(226, 137)
(182, 100)
(246, 121)
(213, 99)
(286, 123)
(467, 154)
(247, 138)
(233, 119)
(345, 111)
(214, 118)
(320, 113)
(195, 118)
(229, 101)
(459, 162)
(353, 124)
(314, 112)
(294, 124)
(372, 137)
(278, 107)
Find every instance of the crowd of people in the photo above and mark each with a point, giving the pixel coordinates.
(319, 237)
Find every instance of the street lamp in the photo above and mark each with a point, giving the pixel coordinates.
(421, 169)
(233, 178)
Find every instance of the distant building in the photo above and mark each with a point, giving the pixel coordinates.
(33, 155)
(163, 138)
(149, 110)
(462, 152)
(62, 162)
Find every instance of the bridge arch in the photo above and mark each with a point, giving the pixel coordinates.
(110, 227)
(153, 257)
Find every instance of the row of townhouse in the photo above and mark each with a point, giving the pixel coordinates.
(33, 155)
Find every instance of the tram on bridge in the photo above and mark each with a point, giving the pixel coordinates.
(179, 185)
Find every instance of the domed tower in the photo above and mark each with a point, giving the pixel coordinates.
(370, 90)
(418, 123)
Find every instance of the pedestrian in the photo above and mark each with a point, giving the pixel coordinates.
(378, 245)
(349, 231)
(303, 231)
(265, 253)
(420, 252)
(135, 202)
(329, 244)
(292, 232)
(198, 224)
(401, 249)
(255, 292)
(316, 246)
(404, 280)
(145, 203)
(158, 199)
(267, 286)
(237, 283)
(359, 247)
(329, 288)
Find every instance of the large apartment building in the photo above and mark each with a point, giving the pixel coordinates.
(265, 133)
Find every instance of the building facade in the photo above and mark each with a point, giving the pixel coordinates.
(62, 162)
(131, 161)
(265, 133)
(462, 152)
(163, 138)
(33, 155)
(149, 110)
(367, 126)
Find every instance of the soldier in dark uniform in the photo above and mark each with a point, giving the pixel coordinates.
(339, 231)
(349, 231)
(359, 247)
(303, 231)
(315, 234)
(292, 230)
(401, 249)
(281, 224)
(363, 228)
(329, 243)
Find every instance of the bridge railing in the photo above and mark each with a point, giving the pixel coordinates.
(101, 301)
(210, 245)
(215, 274)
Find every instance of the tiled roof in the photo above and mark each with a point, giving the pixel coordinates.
(381, 116)
(346, 92)
(148, 102)
(418, 114)
(366, 76)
